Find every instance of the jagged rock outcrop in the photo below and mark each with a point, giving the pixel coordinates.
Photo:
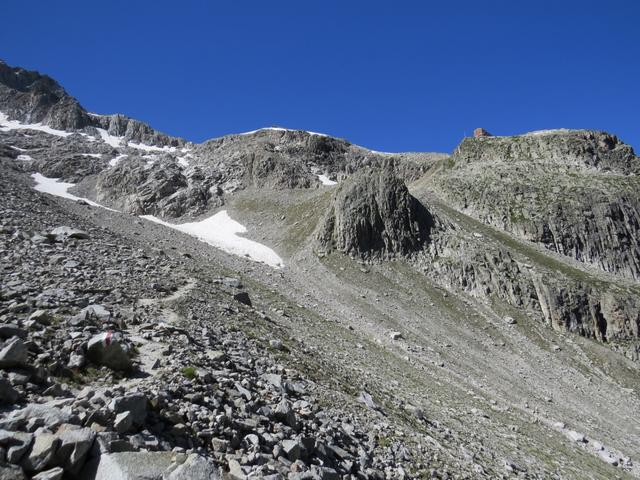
(134, 187)
(373, 215)
(575, 192)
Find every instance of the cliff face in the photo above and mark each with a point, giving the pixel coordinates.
(566, 299)
(574, 192)
(373, 215)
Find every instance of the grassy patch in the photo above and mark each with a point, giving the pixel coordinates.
(189, 372)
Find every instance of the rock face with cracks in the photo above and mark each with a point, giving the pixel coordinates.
(373, 215)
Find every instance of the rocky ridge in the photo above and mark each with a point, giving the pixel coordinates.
(535, 187)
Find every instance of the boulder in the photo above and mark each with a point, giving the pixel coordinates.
(134, 403)
(75, 444)
(52, 474)
(14, 354)
(8, 394)
(11, 472)
(16, 444)
(293, 449)
(242, 297)
(109, 349)
(123, 422)
(128, 466)
(62, 233)
(42, 452)
(8, 330)
(194, 467)
(43, 317)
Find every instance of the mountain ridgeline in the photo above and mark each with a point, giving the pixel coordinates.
(406, 280)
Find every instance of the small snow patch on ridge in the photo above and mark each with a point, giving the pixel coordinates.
(109, 139)
(114, 161)
(7, 125)
(326, 180)
(279, 129)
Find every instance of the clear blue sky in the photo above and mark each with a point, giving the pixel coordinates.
(392, 76)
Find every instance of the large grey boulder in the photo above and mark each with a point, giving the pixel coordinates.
(16, 444)
(373, 215)
(75, 444)
(42, 452)
(109, 349)
(134, 403)
(128, 466)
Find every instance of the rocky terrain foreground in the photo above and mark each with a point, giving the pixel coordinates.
(282, 304)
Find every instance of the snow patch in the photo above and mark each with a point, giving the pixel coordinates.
(54, 186)
(546, 132)
(94, 155)
(109, 139)
(152, 148)
(278, 129)
(221, 231)
(114, 161)
(18, 148)
(7, 125)
(326, 180)
(183, 160)
(25, 158)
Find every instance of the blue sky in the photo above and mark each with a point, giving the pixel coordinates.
(392, 76)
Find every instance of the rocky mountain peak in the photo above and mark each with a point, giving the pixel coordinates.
(574, 148)
(31, 97)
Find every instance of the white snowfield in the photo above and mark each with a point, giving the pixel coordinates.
(109, 139)
(54, 186)
(278, 129)
(6, 125)
(117, 142)
(114, 161)
(221, 231)
(25, 158)
(546, 132)
(326, 180)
